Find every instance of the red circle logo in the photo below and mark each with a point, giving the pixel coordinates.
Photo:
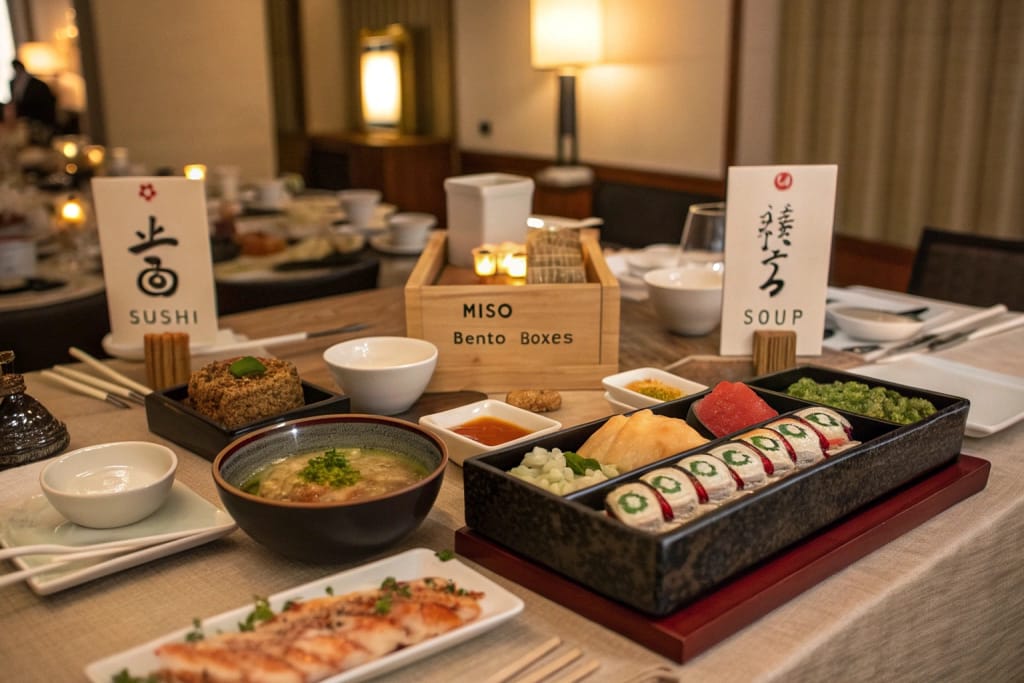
(783, 181)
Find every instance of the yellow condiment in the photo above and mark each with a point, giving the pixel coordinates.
(655, 389)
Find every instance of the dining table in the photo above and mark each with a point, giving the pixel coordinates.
(942, 601)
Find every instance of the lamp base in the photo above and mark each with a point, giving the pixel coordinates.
(566, 176)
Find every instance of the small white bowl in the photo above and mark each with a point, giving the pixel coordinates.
(461, 447)
(382, 375)
(652, 257)
(868, 324)
(687, 299)
(615, 385)
(111, 484)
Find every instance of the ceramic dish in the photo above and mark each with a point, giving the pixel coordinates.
(498, 606)
(383, 244)
(997, 400)
(615, 385)
(618, 405)
(682, 563)
(461, 447)
(167, 415)
(652, 257)
(35, 521)
(871, 324)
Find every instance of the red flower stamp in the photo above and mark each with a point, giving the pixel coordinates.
(147, 191)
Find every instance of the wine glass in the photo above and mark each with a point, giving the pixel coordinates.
(703, 242)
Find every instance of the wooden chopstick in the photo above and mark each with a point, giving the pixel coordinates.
(109, 372)
(550, 668)
(532, 656)
(84, 388)
(579, 673)
(109, 387)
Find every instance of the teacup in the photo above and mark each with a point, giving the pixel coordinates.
(272, 193)
(687, 299)
(359, 206)
(410, 229)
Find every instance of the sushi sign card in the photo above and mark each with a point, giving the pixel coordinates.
(778, 243)
(157, 265)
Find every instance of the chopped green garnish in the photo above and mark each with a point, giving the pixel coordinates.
(445, 555)
(329, 590)
(261, 612)
(330, 469)
(123, 676)
(247, 366)
(858, 397)
(578, 464)
(383, 605)
(196, 633)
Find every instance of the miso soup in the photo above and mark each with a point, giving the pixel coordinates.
(337, 475)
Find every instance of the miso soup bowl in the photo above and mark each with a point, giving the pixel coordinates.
(329, 532)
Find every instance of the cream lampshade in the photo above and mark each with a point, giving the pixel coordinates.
(386, 80)
(566, 35)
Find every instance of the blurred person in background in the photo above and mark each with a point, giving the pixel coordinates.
(32, 99)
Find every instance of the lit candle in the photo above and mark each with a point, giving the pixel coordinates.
(517, 264)
(95, 155)
(506, 252)
(195, 171)
(485, 263)
(72, 212)
(69, 148)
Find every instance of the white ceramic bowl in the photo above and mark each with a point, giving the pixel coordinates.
(410, 228)
(382, 375)
(652, 257)
(868, 324)
(111, 484)
(615, 386)
(461, 447)
(687, 299)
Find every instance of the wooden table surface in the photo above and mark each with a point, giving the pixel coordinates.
(941, 602)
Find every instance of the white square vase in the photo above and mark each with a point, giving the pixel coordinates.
(485, 208)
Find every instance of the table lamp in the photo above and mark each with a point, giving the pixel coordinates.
(566, 35)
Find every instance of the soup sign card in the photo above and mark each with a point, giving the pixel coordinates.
(778, 243)
(157, 264)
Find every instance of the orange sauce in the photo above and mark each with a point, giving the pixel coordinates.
(490, 431)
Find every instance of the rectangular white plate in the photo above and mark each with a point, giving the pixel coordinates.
(35, 521)
(497, 606)
(997, 401)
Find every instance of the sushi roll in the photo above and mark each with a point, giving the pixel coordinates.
(713, 475)
(772, 446)
(752, 467)
(835, 428)
(638, 505)
(676, 488)
(808, 445)
(727, 409)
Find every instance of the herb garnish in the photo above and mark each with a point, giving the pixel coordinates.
(261, 612)
(445, 555)
(246, 366)
(331, 468)
(123, 676)
(196, 633)
(578, 464)
(391, 587)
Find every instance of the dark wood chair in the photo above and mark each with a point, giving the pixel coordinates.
(40, 336)
(234, 297)
(635, 216)
(969, 269)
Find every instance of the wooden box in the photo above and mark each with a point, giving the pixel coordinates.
(497, 337)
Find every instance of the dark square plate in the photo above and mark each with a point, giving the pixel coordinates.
(659, 573)
(169, 417)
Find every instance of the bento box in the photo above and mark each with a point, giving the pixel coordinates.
(658, 573)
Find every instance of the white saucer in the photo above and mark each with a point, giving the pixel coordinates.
(382, 243)
(36, 521)
(138, 351)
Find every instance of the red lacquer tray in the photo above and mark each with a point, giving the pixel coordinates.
(714, 617)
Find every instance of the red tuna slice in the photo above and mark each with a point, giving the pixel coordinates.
(731, 407)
